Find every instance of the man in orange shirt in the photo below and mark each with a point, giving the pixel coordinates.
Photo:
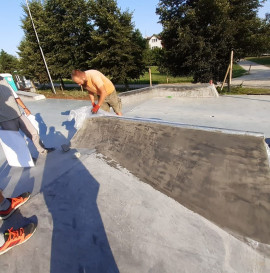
(97, 84)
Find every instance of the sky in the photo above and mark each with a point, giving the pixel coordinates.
(144, 17)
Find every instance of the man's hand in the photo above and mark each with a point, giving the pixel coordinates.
(27, 112)
(95, 109)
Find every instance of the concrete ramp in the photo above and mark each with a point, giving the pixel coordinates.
(221, 175)
(135, 97)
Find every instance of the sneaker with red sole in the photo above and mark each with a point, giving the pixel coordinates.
(15, 203)
(17, 237)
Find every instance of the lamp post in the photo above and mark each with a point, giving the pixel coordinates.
(40, 48)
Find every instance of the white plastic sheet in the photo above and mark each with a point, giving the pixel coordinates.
(83, 113)
(15, 149)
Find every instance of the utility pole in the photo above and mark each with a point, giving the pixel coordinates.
(40, 48)
(150, 76)
(231, 70)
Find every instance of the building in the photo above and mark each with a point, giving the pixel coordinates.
(154, 42)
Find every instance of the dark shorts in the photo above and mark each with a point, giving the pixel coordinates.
(113, 101)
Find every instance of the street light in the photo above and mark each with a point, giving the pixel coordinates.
(41, 51)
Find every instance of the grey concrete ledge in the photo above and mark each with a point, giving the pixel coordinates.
(30, 95)
(209, 171)
(174, 90)
(194, 127)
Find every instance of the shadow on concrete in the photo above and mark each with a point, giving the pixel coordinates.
(4, 174)
(66, 113)
(69, 126)
(26, 187)
(50, 137)
(79, 240)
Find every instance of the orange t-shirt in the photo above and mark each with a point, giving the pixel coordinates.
(96, 79)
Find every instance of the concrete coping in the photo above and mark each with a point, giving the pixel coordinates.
(31, 95)
(194, 127)
(172, 87)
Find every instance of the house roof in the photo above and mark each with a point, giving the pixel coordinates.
(154, 35)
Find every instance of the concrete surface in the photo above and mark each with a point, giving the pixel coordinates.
(208, 171)
(136, 97)
(259, 75)
(97, 217)
(245, 113)
(31, 95)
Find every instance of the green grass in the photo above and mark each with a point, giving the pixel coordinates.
(71, 93)
(244, 91)
(260, 60)
(158, 78)
(238, 71)
(66, 94)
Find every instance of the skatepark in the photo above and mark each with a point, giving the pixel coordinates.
(180, 183)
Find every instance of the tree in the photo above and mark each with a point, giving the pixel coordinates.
(117, 47)
(68, 42)
(249, 28)
(265, 36)
(79, 34)
(152, 56)
(199, 35)
(8, 63)
(32, 64)
(64, 33)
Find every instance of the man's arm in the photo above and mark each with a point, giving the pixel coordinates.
(102, 96)
(92, 98)
(20, 102)
(26, 110)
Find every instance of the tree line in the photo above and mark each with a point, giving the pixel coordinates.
(81, 34)
(197, 36)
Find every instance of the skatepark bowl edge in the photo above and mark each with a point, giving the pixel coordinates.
(213, 172)
(164, 188)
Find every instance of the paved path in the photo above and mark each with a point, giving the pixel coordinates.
(259, 75)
